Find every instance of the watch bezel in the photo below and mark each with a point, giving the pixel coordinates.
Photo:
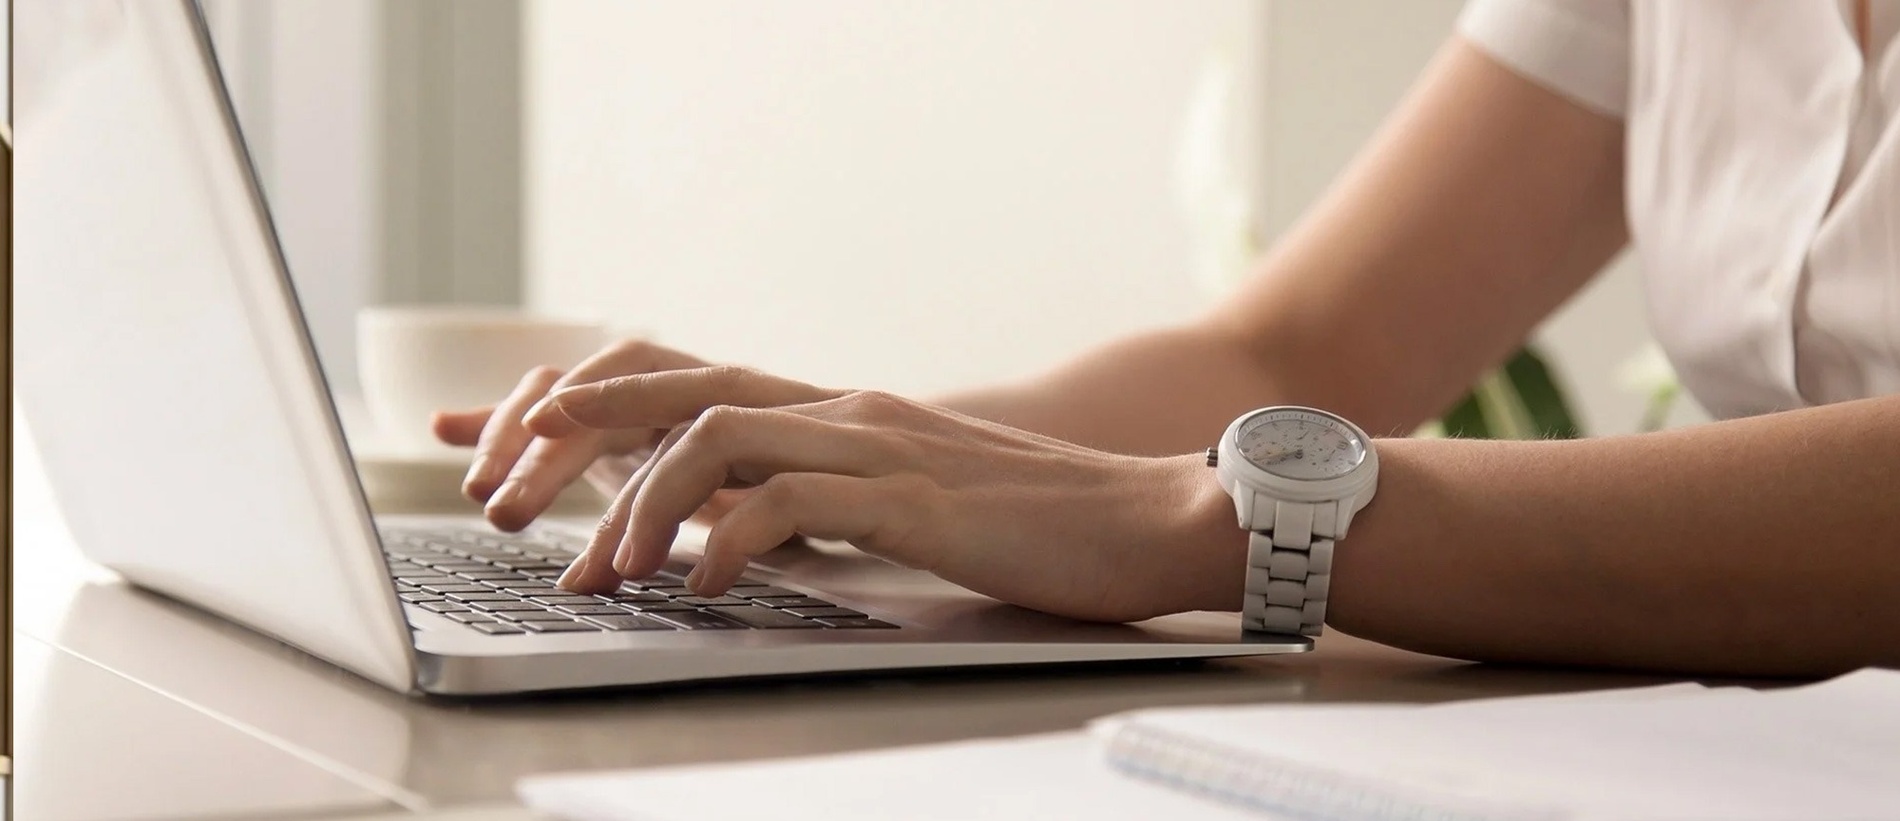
(1233, 467)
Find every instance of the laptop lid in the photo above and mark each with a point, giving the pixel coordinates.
(162, 363)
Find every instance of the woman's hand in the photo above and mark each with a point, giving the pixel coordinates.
(517, 473)
(1023, 518)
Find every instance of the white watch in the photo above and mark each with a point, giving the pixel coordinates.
(1297, 476)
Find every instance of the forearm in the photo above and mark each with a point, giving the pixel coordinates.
(1765, 546)
(1163, 392)
(1450, 238)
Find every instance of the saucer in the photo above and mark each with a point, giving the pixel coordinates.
(432, 483)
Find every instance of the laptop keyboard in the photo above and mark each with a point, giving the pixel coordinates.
(503, 584)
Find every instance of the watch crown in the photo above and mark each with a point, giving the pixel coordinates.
(1213, 457)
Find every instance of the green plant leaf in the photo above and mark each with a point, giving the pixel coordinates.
(1466, 420)
(1521, 394)
(1549, 408)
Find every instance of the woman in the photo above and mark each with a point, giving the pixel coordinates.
(1748, 152)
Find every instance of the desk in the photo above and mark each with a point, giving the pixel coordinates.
(133, 706)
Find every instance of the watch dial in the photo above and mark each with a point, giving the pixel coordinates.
(1300, 445)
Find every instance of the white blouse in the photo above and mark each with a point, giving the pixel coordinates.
(1762, 175)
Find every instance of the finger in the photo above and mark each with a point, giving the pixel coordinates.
(596, 571)
(818, 505)
(749, 445)
(503, 438)
(592, 572)
(546, 468)
(669, 398)
(721, 503)
(622, 359)
(460, 428)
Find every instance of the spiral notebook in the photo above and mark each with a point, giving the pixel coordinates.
(1677, 753)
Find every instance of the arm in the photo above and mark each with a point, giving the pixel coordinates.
(1761, 546)
(1483, 204)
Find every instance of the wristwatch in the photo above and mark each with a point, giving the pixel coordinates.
(1297, 476)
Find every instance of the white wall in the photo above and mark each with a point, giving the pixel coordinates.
(304, 78)
(927, 194)
(904, 195)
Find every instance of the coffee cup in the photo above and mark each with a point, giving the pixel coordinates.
(414, 360)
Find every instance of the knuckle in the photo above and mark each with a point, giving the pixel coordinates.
(876, 405)
(719, 420)
(780, 492)
(540, 375)
(718, 423)
(630, 346)
(727, 376)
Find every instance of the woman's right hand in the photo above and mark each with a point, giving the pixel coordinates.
(515, 473)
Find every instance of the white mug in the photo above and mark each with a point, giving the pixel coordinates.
(414, 360)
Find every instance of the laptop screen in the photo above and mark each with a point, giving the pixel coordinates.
(163, 368)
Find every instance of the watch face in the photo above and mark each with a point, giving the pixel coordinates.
(1303, 445)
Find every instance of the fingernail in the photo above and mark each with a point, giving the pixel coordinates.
(696, 577)
(574, 571)
(540, 409)
(578, 395)
(507, 494)
(478, 471)
(623, 558)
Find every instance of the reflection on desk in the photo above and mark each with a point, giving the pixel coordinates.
(294, 727)
(422, 753)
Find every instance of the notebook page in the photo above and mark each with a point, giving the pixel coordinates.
(1030, 778)
(1829, 750)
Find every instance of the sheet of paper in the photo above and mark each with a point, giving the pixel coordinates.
(1034, 777)
(1828, 750)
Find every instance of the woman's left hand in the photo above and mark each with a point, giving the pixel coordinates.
(1023, 518)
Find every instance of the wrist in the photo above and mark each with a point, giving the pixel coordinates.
(1205, 536)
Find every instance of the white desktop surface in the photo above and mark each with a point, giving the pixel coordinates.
(195, 717)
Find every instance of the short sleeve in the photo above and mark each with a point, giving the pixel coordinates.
(1577, 48)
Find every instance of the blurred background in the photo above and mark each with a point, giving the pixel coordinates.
(908, 196)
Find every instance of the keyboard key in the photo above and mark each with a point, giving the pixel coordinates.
(405, 570)
(674, 590)
(660, 579)
(488, 575)
(556, 598)
(534, 615)
(761, 617)
(825, 613)
(498, 628)
(561, 626)
(662, 606)
(542, 573)
(716, 601)
(783, 602)
(444, 607)
(857, 624)
(594, 609)
(471, 618)
(517, 588)
(761, 592)
(419, 597)
(513, 606)
(463, 587)
(486, 596)
(629, 621)
(636, 598)
(698, 620)
(461, 567)
(432, 577)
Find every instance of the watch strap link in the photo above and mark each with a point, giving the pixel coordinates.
(1289, 569)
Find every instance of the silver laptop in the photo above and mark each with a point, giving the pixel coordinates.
(169, 381)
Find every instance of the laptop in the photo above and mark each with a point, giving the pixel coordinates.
(168, 379)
